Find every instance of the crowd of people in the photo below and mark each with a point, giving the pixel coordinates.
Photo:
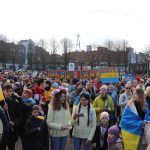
(46, 112)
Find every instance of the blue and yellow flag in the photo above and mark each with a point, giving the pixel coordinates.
(1, 94)
(131, 128)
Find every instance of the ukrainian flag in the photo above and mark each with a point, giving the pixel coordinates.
(131, 128)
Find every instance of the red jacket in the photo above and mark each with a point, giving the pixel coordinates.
(38, 94)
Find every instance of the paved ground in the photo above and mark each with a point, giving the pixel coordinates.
(69, 145)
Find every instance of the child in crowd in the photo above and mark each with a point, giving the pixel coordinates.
(36, 131)
(27, 97)
(101, 133)
(114, 140)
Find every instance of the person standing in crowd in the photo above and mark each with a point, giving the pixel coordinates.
(125, 97)
(36, 131)
(59, 120)
(91, 89)
(101, 132)
(84, 122)
(103, 102)
(147, 94)
(113, 94)
(13, 112)
(114, 140)
(147, 84)
(38, 93)
(79, 88)
(97, 83)
(27, 102)
(4, 128)
(141, 84)
(135, 115)
(48, 95)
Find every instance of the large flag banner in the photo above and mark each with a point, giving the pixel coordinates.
(128, 77)
(131, 127)
(109, 75)
(1, 94)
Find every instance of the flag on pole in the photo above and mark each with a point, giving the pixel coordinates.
(1, 94)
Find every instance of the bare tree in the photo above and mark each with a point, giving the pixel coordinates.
(121, 49)
(146, 52)
(92, 56)
(42, 43)
(110, 46)
(3, 38)
(41, 53)
(66, 46)
(54, 46)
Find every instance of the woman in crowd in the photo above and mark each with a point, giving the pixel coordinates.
(133, 120)
(84, 122)
(59, 120)
(103, 102)
(147, 94)
(125, 97)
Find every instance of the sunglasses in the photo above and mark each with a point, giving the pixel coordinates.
(128, 88)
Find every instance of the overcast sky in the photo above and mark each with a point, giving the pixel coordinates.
(95, 20)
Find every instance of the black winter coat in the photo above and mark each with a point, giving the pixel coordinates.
(5, 134)
(97, 135)
(15, 115)
(36, 139)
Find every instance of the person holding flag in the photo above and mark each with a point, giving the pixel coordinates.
(134, 118)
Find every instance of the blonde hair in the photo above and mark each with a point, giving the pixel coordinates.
(147, 91)
(103, 87)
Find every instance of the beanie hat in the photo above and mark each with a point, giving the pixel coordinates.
(104, 114)
(85, 95)
(114, 130)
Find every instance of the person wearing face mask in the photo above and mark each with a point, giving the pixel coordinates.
(134, 118)
(103, 102)
(101, 132)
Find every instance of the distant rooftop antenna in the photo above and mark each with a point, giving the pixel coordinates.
(78, 48)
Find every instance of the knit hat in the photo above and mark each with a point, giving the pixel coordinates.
(104, 114)
(114, 130)
(85, 95)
